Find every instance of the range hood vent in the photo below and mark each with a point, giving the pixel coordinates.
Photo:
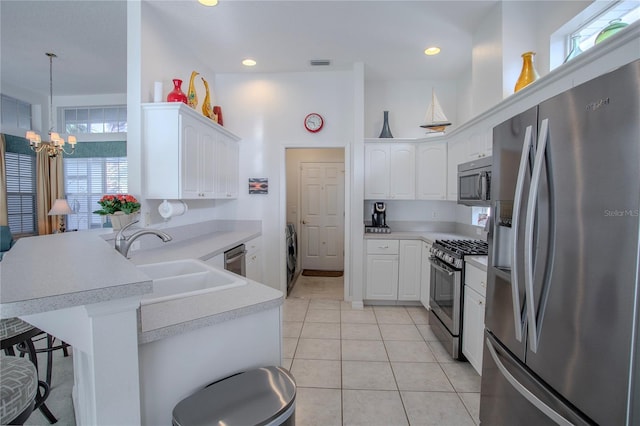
(320, 62)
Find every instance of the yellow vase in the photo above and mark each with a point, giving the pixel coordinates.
(192, 97)
(207, 110)
(528, 74)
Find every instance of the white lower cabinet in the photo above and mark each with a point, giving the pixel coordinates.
(382, 270)
(473, 315)
(410, 270)
(425, 276)
(254, 259)
(393, 270)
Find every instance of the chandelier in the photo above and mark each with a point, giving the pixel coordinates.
(55, 145)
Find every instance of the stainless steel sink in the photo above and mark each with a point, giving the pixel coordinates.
(184, 278)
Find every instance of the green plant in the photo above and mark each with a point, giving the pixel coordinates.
(118, 203)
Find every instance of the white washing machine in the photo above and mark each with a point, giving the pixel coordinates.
(291, 254)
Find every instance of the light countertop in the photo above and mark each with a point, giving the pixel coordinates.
(201, 247)
(51, 272)
(177, 316)
(479, 262)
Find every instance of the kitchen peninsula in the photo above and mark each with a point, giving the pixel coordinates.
(78, 288)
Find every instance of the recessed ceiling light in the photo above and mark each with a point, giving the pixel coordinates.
(432, 51)
(208, 2)
(248, 62)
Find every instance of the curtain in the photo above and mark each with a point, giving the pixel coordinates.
(49, 187)
(4, 220)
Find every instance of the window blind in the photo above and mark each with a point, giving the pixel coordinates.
(21, 193)
(86, 181)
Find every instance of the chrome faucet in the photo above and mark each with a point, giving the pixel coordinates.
(123, 244)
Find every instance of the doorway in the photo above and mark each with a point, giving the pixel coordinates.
(315, 206)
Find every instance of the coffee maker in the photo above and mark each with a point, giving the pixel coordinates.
(379, 215)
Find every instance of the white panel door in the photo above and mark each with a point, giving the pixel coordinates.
(376, 171)
(190, 159)
(432, 171)
(382, 277)
(322, 227)
(410, 270)
(402, 169)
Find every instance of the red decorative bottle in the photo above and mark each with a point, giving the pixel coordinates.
(177, 95)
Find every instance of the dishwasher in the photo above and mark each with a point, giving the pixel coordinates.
(234, 260)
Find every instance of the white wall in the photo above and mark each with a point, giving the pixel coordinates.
(415, 211)
(267, 112)
(486, 66)
(407, 102)
(39, 109)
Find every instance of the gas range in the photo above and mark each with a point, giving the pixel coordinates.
(453, 252)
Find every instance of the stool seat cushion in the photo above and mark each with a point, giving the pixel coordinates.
(12, 327)
(18, 386)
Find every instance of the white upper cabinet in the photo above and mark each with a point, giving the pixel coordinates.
(186, 155)
(390, 171)
(376, 171)
(480, 144)
(432, 171)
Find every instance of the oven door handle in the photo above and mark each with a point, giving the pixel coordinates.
(440, 268)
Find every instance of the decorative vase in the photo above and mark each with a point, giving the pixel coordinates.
(177, 95)
(217, 113)
(192, 96)
(528, 74)
(574, 49)
(613, 27)
(386, 131)
(207, 110)
(120, 219)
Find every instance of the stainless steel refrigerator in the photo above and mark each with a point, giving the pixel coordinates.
(561, 336)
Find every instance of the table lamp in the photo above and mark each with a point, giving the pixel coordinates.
(60, 208)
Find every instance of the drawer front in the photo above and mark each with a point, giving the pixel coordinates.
(383, 246)
(475, 278)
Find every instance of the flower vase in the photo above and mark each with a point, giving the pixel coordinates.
(613, 27)
(120, 219)
(528, 74)
(177, 95)
(574, 49)
(386, 131)
(207, 110)
(192, 96)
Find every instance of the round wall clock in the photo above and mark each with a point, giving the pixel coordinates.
(313, 122)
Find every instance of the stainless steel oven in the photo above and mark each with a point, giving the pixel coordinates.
(474, 182)
(447, 289)
(446, 304)
(234, 260)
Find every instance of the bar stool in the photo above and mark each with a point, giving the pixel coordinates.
(18, 389)
(15, 332)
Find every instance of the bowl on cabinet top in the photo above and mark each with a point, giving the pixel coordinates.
(184, 278)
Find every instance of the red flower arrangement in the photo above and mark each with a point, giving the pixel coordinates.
(118, 203)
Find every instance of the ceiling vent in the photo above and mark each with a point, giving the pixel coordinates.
(320, 62)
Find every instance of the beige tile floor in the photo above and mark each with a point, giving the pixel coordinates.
(381, 365)
(376, 366)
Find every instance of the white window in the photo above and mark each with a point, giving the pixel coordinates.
(94, 120)
(627, 11)
(480, 215)
(16, 114)
(86, 181)
(21, 193)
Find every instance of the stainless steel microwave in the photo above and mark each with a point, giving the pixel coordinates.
(474, 182)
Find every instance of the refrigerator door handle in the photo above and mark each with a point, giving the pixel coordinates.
(528, 234)
(522, 390)
(517, 205)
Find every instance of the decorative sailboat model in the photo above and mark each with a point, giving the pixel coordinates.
(435, 118)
